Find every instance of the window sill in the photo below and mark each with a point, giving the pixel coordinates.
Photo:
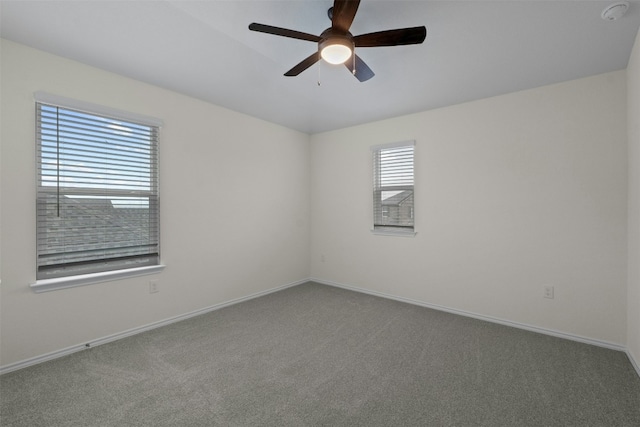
(399, 233)
(88, 279)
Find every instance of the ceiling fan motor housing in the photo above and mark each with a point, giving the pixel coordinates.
(336, 41)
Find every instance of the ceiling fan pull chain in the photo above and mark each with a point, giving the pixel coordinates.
(353, 57)
(319, 66)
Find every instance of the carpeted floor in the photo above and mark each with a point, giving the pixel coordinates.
(314, 355)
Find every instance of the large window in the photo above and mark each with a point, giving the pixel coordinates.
(97, 194)
(393, 188)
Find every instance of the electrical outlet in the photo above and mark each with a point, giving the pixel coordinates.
(548, 292)
(153, 287)
(322, 258)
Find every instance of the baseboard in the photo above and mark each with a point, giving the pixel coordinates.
(518, 325)
(633, 361)
(79, 347)
(99, 341)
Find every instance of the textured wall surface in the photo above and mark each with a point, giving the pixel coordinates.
(633, 124)
(512, 193)
(234, 208)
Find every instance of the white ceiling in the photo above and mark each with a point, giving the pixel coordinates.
(474, 49)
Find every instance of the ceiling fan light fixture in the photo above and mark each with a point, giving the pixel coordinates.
(336, 50)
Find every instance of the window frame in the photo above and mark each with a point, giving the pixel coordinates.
(385, 229)
(120, 272)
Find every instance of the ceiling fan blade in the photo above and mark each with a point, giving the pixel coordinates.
(401, 36)
(284, 32)
(362, 70)
(303, 65)
(343, 13)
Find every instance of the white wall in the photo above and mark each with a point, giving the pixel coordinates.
(512, 193)
(234, 208)
(633, 123)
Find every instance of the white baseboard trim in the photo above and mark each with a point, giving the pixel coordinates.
(119, 335)
(634, 362)
(99, 341)
(518, 325)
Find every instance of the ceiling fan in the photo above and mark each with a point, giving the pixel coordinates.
(336, 44)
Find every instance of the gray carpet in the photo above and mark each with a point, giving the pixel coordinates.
(314, 355)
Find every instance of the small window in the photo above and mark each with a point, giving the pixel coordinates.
(97, 194)
(393, 188)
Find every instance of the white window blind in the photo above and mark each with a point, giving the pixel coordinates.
(393, 187)
(97, 195)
